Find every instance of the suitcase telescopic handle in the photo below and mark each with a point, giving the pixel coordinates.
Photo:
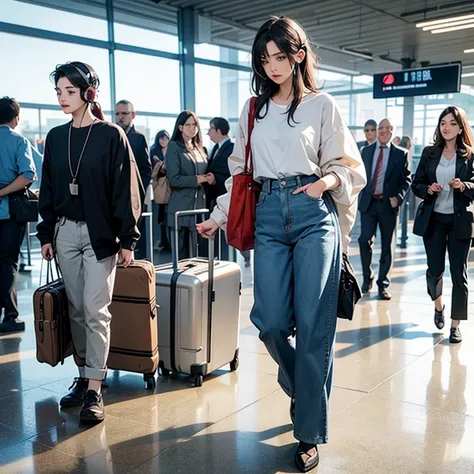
(210, 290)
(177, 216)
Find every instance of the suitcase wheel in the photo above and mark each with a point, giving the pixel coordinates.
(198, 380)
(234, 365)
(164, 372)
(150, 381)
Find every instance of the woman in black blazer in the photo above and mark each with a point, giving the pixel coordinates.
(445, 181)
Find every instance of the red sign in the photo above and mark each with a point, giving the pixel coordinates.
(388, 80)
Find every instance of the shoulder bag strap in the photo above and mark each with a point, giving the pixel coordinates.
(248, 148)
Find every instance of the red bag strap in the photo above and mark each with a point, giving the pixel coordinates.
(248, 148)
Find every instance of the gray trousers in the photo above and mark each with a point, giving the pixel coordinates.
(89, 286)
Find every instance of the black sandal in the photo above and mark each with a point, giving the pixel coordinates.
(305, 461)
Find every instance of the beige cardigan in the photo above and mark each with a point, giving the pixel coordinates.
(336, 152)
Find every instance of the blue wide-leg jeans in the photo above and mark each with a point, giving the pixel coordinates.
(297, 268)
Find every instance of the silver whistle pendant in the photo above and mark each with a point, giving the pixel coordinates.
(74, 189)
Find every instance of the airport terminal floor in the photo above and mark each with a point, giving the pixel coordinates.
(402, 402)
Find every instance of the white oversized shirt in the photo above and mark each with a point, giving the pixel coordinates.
(317, 143)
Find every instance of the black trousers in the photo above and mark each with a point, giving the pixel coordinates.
(439, 235)
(387, 221)
(11, 237)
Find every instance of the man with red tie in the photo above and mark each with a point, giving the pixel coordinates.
(388, 180)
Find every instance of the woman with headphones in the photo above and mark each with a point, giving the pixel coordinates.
(90, 205)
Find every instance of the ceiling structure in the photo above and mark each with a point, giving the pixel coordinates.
(357, 36)
(350, 36)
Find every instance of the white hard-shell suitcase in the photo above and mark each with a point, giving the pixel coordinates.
(198, 320)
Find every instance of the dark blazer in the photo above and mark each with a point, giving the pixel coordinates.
(425, 176)
(397, 177)
(220, 168)
(142, 155)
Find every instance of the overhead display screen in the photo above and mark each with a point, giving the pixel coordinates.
(439, 79)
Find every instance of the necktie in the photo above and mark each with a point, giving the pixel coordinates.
(213, 153)
(378, 169)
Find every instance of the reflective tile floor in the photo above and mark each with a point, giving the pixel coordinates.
(403, 401)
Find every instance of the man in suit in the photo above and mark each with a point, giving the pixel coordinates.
(370, 131)
(124, 116)
(388, 180)
(219, 129)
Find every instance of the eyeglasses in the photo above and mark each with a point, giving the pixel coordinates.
(122, 113)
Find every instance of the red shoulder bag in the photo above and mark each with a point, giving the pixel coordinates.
(244, 197)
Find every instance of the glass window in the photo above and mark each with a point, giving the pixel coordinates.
(145, 38)
(330, 81)
(344, 106)
(362, 82)
(51, 19)
(29, 124)
(207, 51)
(150, 126)
(51, 119)
(395, 112)
(222, 54)
(39, 57)
(365, 107)
(418, 136)
(220, 92)
(150, 83)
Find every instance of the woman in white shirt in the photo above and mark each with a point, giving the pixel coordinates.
(304, 156)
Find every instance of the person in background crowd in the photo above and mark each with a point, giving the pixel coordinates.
(370, 132)
(35, 186)
(444, 180)
(17, 171)
(124, 117)
(186, 166)
(396, 141)
(389, 179)
(218, 168)
(306, 158)
(405, 142)
(90, 204)
(160, 146)
(158, 153)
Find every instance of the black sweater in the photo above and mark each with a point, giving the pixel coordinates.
(109, 191)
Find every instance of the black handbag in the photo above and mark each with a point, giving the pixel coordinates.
(349, 290)
(23, 206)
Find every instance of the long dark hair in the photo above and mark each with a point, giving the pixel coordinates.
(178, 135)
(290, 38)
(465, 140)
(82, 76)
(155, 149)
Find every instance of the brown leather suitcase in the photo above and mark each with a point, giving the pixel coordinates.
(134, 328)
(52, 327)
